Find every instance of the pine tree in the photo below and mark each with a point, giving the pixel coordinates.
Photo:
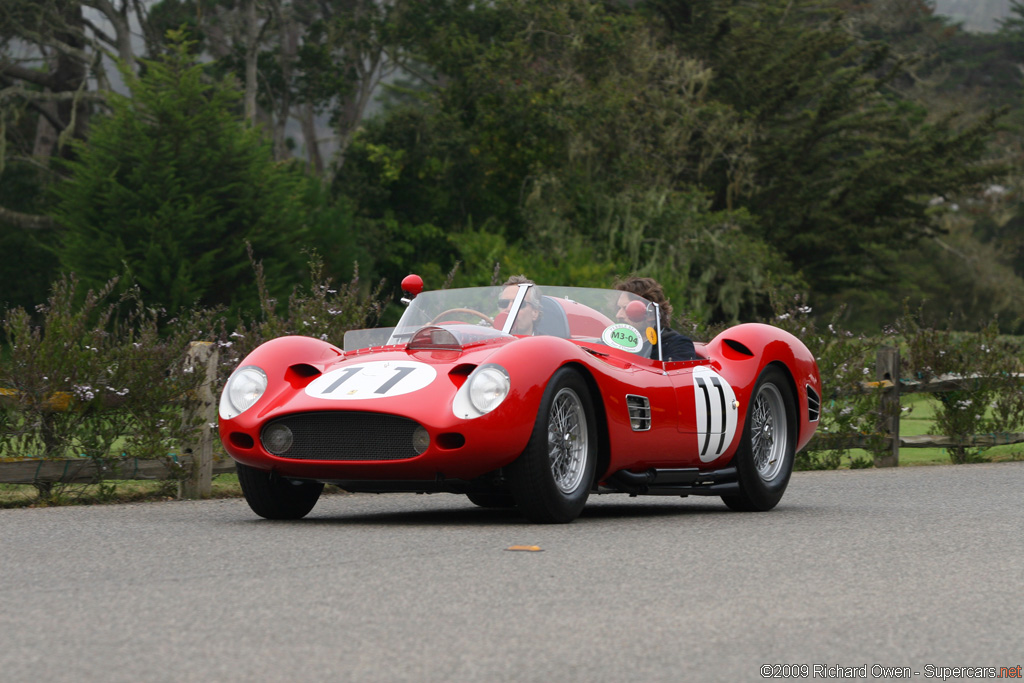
(846, 165)
(171, 186)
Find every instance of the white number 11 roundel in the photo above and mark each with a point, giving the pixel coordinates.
(374, 379)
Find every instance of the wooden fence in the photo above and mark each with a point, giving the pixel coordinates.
(891, 385)
(198, 465)
(194, 467)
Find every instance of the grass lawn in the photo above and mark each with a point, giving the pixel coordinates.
(918, 420)
(114, 491)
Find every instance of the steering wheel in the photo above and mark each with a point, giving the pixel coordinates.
(488, 319)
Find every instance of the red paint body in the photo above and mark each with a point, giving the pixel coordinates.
(492, 441)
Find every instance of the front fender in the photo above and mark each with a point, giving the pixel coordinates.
(532, 361)
(276, 355)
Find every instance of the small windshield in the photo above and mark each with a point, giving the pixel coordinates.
(607, 317)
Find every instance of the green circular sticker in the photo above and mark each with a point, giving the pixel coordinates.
(623, 336)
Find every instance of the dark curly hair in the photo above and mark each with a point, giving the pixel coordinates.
(650, 289)
(534, 293)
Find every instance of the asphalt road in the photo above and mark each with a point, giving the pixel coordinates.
(915, 567)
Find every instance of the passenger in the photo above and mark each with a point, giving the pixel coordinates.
(674, 346)
(530, 311)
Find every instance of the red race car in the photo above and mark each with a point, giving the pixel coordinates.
(532, 401)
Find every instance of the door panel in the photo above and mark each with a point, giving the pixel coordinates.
(707, 408)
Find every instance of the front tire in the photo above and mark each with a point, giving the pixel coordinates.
(551, 480)
(274, 497)
(764, 460)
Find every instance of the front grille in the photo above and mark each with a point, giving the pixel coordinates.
(813, 405)
(348, 436)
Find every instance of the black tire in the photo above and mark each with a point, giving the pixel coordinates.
(492, 499)
(764, 460)
(551, 480)
(275, 497)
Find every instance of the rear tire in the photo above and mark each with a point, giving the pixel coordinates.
(764, 460)
(551, 480)
(274, 497)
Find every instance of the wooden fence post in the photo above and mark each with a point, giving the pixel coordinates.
(887, 369)
(201, 409)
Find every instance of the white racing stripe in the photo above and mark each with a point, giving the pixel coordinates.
(716, 416)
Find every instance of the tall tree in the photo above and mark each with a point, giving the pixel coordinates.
(318, 63)
(171, 186)
(54, 61)
(565, 130)
(846, 166)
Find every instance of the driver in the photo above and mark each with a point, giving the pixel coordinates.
(674, 346)
(529, 312)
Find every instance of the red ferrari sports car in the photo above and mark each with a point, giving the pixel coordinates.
(463, 396)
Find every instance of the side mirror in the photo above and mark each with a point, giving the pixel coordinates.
(411, 285)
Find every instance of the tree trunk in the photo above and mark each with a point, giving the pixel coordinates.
(251, 54)
(308, 121)
(46, 134)
(289, 37)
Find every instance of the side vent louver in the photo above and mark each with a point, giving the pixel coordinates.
(739, 347)
(639, 413)
(813, 405)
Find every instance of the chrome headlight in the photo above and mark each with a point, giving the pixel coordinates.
(244, 388)
(488, 387)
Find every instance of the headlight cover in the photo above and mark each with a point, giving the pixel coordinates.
(277, 438)
(244, 388)
(484, 391)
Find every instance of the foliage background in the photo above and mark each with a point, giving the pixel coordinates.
(865, 154)
(862, 159)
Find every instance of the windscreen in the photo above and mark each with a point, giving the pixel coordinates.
(611, 318)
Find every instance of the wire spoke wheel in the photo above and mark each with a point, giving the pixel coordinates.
(769, 432)
(551, 480)
(764, 459)
(567, 440)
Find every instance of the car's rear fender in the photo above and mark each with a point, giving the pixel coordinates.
(742, 353)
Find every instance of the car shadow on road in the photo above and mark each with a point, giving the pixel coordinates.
(652, 508)
(471, 515)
